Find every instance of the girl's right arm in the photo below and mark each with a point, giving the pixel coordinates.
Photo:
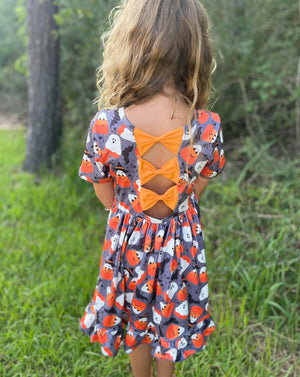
(105, 193)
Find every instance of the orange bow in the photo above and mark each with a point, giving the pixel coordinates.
(169, 170)
(149, 198)
(171, 140)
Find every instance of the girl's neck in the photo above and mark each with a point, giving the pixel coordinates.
(168, 110)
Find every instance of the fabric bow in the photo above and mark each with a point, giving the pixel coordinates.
(149, 198)
(169, 170)
(171, 140)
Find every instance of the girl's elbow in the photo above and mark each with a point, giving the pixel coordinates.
(107, 201)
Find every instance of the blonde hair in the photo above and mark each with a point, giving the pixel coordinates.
(152, 43)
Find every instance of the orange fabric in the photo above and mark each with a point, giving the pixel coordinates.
(149, 198)
(169, 170)
(171, 140)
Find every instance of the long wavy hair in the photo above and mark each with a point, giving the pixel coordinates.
(152, 43)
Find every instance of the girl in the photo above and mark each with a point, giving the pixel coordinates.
(150, 152)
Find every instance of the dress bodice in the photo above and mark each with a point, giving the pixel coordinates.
(115, 150)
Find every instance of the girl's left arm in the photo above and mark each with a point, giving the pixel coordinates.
(105, 193)
(199, 186)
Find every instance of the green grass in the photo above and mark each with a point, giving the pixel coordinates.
(52, 228)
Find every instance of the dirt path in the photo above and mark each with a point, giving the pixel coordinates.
(11, 122)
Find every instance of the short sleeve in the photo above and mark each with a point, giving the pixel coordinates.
(216, 165)
(95, 162)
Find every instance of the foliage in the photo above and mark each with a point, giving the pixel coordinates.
(255, 48)
(255, 45)
(12, 81)
(21, 64)
(81, 25)
(51, 231)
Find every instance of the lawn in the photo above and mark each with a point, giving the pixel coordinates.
(52, 228)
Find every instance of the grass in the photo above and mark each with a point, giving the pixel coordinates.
(52, 228)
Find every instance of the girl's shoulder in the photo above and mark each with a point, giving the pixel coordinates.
(108, 114)
(107, 120)
(114, 118)
(206, 128)
(205, 116)
(206, 119)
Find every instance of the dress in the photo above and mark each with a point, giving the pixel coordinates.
(152, 284)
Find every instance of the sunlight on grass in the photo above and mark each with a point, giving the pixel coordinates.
(52, 229)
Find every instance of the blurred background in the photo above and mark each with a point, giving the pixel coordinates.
(52, 225)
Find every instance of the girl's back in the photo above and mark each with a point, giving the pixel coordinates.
(157, 117)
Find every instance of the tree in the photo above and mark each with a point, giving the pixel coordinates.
(44, 98)
(81, 23)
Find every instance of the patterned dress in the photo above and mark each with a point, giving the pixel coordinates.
(152, 284)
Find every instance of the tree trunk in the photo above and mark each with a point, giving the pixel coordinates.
(44, 97)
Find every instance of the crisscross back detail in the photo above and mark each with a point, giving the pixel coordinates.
(150, 192)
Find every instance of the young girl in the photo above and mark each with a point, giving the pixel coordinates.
(150, 152)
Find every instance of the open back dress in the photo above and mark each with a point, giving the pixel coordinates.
(152, 285)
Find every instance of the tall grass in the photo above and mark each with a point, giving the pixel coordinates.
(51, 231)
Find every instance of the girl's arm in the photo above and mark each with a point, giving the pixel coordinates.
(105, 193)
(200, 185)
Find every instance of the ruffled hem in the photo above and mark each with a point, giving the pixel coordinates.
(176, 350)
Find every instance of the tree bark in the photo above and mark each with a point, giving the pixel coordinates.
(44, 97)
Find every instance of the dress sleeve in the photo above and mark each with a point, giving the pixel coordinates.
(95, 162)
(216, 164)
